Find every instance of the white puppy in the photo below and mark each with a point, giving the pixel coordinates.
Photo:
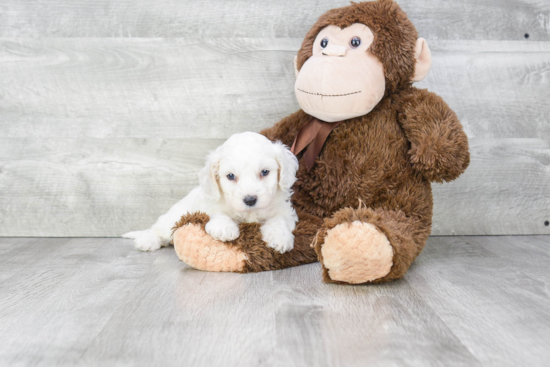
(247, 179)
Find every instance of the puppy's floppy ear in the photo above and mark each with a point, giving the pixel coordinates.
(288, 165)
(208, 176)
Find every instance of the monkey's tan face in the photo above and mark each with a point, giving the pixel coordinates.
(341, 79)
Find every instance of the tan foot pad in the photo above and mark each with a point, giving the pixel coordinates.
(356, 253)
(200, 251)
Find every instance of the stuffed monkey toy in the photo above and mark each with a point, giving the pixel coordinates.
(369, 145)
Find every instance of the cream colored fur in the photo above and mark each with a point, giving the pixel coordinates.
(357, 253)
(244, 156)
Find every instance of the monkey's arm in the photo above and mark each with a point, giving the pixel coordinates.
(439, 146)
(286, 129)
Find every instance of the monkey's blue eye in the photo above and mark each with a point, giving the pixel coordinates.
(230, 177)
(265, 172)
(355, 42)
(324, 42)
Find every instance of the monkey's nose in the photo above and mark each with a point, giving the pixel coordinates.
(334, 50)
(250, 200)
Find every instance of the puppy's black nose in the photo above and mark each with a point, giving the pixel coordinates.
(250, 200)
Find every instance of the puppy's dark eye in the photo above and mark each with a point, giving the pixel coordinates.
(355, 42)
(265, 172)
(230, 177)
(324, 42)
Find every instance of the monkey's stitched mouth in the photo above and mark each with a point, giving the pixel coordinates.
(328, 95)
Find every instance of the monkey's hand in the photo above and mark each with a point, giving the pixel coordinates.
(439, 146)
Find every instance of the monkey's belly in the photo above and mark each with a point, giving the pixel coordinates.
(394, 186)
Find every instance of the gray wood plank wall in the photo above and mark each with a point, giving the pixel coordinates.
(107, 108)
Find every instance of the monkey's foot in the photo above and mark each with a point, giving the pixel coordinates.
(369, 246)
(356, 253)
(200, 251)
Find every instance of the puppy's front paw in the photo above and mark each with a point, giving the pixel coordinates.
(277, 237)
(222, 230)
(148, 241)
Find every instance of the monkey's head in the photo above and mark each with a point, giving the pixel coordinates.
(354, 56)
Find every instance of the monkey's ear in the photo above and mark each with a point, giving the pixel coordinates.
(296, 66)
(423, 58)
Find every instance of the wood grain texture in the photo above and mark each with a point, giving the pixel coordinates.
(178, 88)
(199, 319)
(503, 319)
(469, 19)
(187, 88)
(466, 301)
(93, 187)
(506, 190)
(54, 307)
(497, 89)
(105, 187)
(15, 252)
(383, 325)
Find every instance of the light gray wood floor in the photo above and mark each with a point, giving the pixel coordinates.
(97, 301)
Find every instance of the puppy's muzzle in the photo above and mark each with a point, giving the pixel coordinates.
(250, 200)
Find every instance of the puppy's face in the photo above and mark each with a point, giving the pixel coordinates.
(247, 171)
(248, 182)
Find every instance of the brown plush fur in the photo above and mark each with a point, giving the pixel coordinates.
(385, 159)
